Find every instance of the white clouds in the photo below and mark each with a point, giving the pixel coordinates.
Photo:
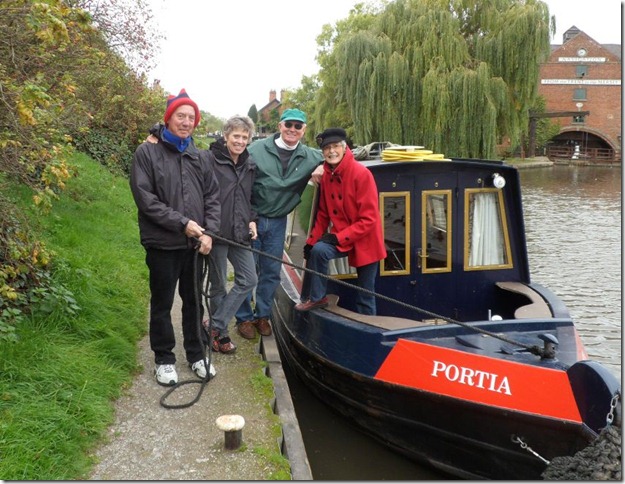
(229, 55)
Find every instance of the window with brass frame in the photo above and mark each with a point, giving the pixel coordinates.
(436, 231)
(395, 213)
(486, 238)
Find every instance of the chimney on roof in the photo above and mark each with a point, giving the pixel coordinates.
(569, 34)
(272, 95)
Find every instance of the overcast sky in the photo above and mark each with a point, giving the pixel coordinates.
(228, 55)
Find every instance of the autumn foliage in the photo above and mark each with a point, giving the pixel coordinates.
(72, 76)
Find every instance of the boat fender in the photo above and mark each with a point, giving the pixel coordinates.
(594, 388)
(600, 461)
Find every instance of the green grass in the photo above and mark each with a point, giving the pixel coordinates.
(59, 380)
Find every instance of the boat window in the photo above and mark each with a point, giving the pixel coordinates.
(394, 208)
(486, 239)
(436, 251)
(340, 267)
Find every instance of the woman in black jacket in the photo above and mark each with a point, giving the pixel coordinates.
(235, 171)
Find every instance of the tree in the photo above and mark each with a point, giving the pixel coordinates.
(128, 27)
(447, 74)
(326, 107)
(61, 86)
(253, 113)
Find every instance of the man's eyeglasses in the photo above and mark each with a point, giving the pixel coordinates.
(289, 125)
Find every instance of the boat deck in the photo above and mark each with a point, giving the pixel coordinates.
(390, 323)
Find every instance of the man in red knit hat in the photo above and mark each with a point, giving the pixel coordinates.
(177, 197)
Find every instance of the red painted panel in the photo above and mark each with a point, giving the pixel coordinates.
(292, 273)
(480, 379)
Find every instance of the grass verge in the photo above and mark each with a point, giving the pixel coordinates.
(58, 381)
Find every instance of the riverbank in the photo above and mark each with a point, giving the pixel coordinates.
(537, 162)
(150, 442)
(543, 161)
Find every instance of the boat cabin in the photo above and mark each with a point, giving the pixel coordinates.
(455, 239)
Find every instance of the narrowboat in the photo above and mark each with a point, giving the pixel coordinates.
(469, 366)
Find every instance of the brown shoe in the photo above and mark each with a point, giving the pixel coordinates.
(263, 326)
(247, 329)
(308, 305)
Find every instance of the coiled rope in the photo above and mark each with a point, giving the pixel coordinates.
(200, 328)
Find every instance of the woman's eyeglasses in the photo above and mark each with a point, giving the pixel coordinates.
(289, 125)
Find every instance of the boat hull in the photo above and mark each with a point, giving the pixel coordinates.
(457, 437)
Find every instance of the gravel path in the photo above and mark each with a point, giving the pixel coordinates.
(150, 442)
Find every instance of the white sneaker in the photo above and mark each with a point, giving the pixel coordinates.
(199, 367)
(166, 375)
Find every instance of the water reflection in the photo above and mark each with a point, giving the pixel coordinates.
(573, 226)
(338, 451)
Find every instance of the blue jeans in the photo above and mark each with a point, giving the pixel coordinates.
(224, 304)
(271, 232)
(320, 255)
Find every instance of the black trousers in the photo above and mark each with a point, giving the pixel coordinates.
(169, 268)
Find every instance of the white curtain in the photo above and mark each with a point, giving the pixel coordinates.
(486, 232)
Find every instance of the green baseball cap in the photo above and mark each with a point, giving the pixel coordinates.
(293, 115)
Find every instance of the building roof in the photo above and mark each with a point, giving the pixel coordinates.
(573, 32)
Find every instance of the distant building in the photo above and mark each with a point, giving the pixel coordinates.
(581, 76)
(265, 113)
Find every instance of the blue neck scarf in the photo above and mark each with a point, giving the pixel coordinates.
(181, 144)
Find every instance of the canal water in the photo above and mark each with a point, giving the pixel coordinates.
(573, 226)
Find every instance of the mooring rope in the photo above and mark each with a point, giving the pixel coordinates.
(534, 349)
(601, 460)
(206, 348)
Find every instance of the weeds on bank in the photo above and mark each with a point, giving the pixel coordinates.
(281, 469)
(58, 379)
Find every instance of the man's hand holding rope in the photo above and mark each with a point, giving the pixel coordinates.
(192, 229)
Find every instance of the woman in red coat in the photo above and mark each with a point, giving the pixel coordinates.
(348, 205)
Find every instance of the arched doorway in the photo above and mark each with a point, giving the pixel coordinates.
(578, 144)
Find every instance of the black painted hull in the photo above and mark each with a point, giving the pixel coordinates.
(458, 437)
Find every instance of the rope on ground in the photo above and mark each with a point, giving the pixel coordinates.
(201, 330)
(600, 461)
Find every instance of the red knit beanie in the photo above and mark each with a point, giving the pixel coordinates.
(174, 101)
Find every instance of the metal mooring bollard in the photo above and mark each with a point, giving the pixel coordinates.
(232, 426)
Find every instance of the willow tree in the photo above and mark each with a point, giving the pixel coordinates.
(454, 75)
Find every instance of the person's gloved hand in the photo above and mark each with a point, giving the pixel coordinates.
(329, 239)
(307, 249)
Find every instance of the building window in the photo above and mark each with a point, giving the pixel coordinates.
(581, 71)
(579, 94)
(578, 119)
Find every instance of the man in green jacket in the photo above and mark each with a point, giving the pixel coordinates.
(283, 168)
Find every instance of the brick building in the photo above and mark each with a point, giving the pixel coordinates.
(581, 83)
(273, 109)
